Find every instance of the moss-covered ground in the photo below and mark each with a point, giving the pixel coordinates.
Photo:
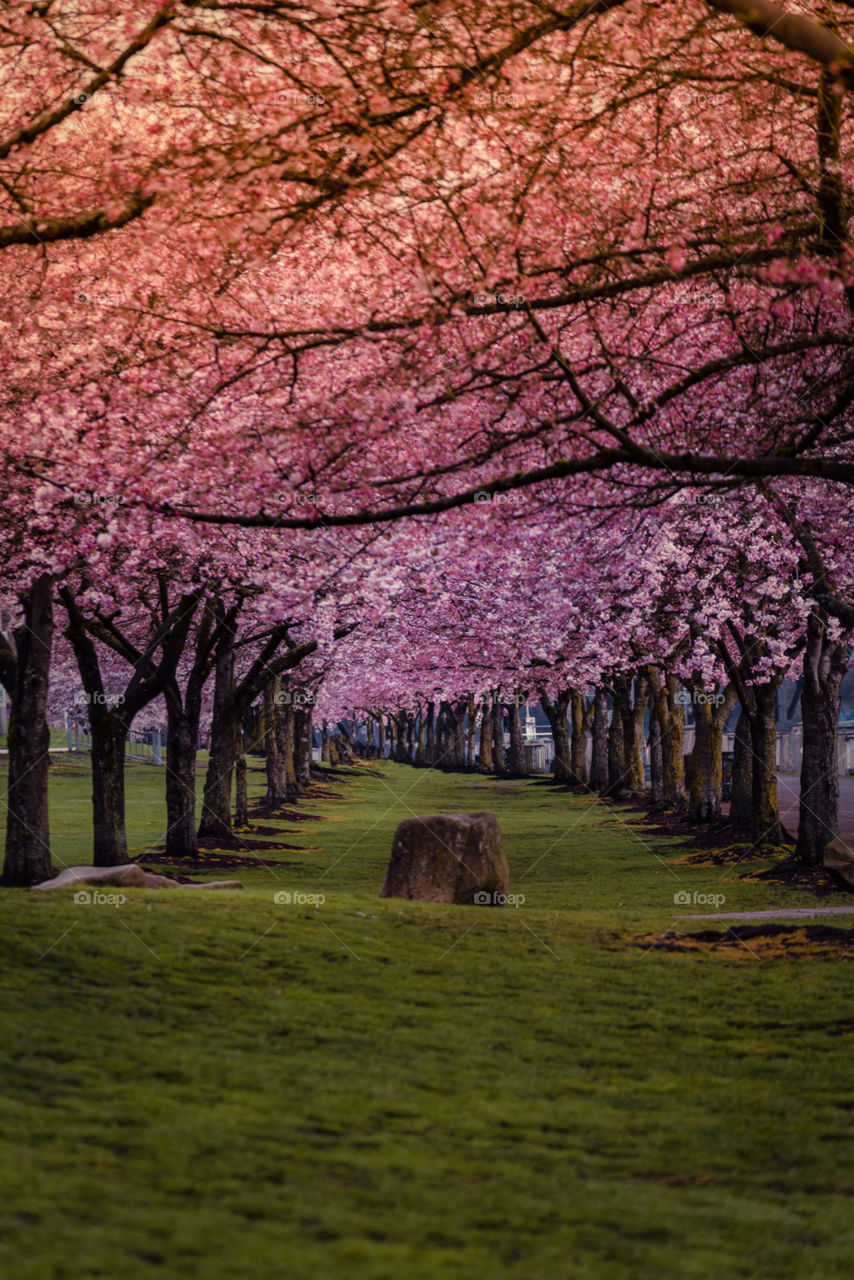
(226, 1085)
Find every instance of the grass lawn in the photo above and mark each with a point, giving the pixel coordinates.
(219, 1086)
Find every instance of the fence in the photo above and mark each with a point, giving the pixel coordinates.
(146, 745)
(538, 755)
(789, 749)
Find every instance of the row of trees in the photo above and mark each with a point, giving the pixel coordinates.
(400, 353)
(715, 610)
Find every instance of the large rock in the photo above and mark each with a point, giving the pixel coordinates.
(127, 876)
(448, 857)
(839, 858)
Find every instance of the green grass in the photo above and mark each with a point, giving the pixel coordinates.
(58, 738)
(219, 1086)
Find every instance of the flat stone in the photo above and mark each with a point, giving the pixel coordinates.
(126, 876)
(839, 857)
(448, 857)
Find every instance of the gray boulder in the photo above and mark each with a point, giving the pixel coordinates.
(839, 858)
(448, 857)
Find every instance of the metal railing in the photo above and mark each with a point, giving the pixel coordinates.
(147, 745)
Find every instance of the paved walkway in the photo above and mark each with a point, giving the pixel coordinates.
(788, 793)
(788, 798)
(795, 913)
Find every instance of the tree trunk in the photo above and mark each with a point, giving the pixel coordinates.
(641, 702)
(344, 741)
(616, 753)
(599, 760)
(287, 782)
(401, 755)
(741, 802)
(471, 717)
(442, 742)
(656, 761)
(580, 732)
(485, 762)
(670, 718)
(497, 734)
(272, 690)
(216, 802)
(241, 789)
(556, 713)
(181, 738)
(109, 839)
(439, 737)
(302, 747)
(420, 742)
(109, 724)
(758, 704)
(517, 745)
(325, 739)
(766, 825)
(630, 699)
(27, 859)
(704, 801)
(459, 729)
(824, 669)
(431, 733)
